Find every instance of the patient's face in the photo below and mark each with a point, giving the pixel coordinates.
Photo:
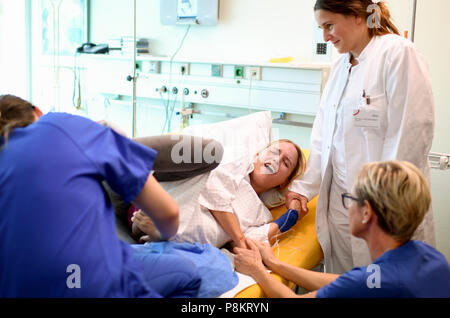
(274, 165)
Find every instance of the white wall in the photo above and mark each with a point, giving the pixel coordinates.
(247, 29)
(430, 24)
(12, 66)
(261, 29)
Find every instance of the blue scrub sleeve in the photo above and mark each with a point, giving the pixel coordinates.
(349, 285)
(122, 162)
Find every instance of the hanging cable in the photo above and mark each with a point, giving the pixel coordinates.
(76, 96)
(167, 104)
(56, 4)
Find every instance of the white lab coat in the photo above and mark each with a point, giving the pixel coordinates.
(396, 77)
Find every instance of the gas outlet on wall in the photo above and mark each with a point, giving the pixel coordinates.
(255, 73)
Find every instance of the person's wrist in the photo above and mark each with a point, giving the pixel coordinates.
(259, 272)
(240, 242)
(295, 204)
(272, 263)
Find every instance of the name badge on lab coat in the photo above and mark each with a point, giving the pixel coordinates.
(366, 117)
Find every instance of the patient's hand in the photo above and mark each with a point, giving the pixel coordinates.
(145, 224)
(241, 243)
(265, 250)
(248, 261)
(297, 202)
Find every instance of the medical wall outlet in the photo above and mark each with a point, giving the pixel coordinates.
(255, 73)
(139, 66)
(183, 69)
(151, 67)
(216, 70)
(287, 88)
(205, 93)
(162, 89)
(239, 72)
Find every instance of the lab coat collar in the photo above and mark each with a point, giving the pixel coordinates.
(365, 53)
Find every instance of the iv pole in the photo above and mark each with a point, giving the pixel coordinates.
(413, 20)
(134, 74)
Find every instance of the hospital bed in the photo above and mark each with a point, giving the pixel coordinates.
(299, 247)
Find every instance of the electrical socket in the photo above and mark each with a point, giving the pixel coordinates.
(138, 65)
(151, 67)
(183, 68)
(255, 73)
(239, 72)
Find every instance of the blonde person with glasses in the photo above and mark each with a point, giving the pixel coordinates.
(387, 204)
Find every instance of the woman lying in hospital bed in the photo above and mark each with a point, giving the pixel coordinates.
(224, 205)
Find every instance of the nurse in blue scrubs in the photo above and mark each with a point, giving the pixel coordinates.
(387, 203)
(56, 221)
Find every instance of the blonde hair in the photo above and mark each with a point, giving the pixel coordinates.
(398, 193)
(361, 8)
(300, 165)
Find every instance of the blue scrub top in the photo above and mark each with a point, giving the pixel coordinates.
(413, 270)
(57, 224)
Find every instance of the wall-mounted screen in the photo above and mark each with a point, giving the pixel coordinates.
(187, 9)
(202, 12)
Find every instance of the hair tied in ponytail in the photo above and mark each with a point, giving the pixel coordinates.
(374, 18)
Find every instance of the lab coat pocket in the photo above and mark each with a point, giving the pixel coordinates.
(373, 124)
(372, 115)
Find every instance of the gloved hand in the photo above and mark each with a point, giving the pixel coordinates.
(287, 220)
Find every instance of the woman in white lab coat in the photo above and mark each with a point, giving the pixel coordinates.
(377, 105)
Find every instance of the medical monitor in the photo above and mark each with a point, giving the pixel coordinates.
(201, 12)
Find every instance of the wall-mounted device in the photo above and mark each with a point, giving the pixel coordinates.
(202, 12)
(321, 49)
(91, 48)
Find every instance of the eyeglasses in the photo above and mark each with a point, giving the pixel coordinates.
(347, 199)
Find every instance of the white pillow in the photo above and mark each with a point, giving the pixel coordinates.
(240, 136)
(273, 198)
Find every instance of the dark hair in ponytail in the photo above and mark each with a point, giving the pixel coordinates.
(366, 9)
(14, 112)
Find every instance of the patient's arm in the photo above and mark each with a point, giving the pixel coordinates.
(231, 226)
(159, 206)
(250, 262)
(300, 206)
(307, 279)
(274, 232)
